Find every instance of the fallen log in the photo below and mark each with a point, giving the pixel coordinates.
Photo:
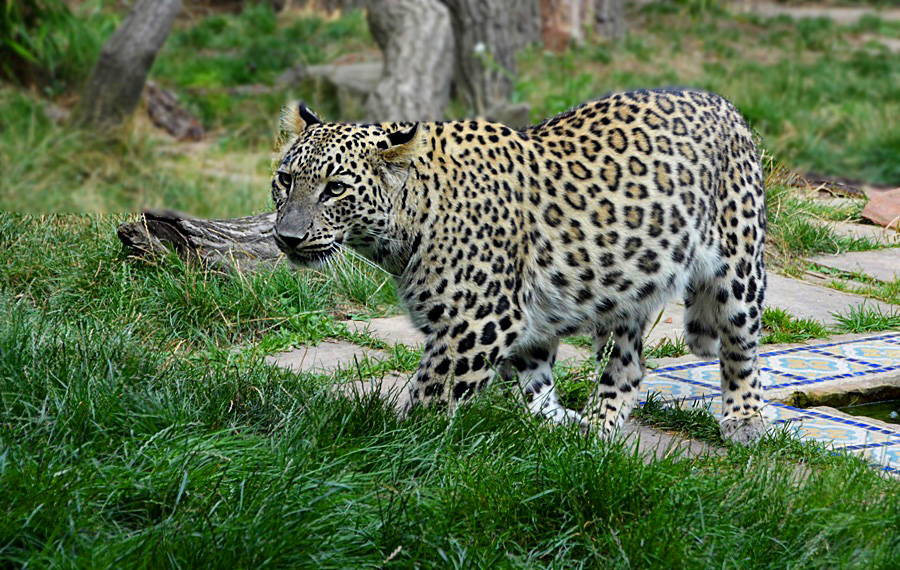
(237, 244)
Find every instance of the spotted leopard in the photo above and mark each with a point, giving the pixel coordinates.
(503, 241)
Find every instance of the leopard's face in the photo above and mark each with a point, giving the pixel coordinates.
(333, 186)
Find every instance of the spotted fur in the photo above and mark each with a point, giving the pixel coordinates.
(503, 241)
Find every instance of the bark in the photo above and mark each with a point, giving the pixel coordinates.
(239, 244)
(416, 39)
(609, 18)
(567, 21)
(488, 34)
(114, 87)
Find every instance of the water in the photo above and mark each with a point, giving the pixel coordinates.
(887, 411)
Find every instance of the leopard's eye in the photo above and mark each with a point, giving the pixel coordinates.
(333, 190)
(285, 179)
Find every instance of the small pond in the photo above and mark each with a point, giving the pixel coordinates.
(886, 411)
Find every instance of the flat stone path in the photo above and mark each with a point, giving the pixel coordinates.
(395, 330)
(882, 264)
(327, 356)
(875, 233)
(808, 301)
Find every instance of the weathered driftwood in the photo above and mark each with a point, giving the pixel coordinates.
(235, 244)
(416, 39)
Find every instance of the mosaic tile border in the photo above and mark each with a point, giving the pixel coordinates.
(795, 379)
(886, 440)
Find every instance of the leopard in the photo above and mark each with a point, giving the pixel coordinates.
(504, 241)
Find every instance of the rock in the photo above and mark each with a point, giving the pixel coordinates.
(513, 115)
(884, 208)
(355, 78)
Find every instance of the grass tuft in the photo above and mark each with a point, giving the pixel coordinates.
(867, 318)
(782, 328)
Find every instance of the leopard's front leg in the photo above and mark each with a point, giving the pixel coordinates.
(459, 359)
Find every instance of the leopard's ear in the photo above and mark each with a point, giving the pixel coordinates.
(296, 118)
(402, 144)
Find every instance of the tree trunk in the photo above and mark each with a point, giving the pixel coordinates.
(609, 18)
(567, 21)
(488, 33)
(239, 244)
(416, 39)
(114, 87)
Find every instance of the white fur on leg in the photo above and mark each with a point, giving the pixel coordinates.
(743, 430)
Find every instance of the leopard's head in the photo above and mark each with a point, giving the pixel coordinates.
(337, 184)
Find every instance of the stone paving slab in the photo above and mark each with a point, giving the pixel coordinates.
(874, 233)
(393, 330)
(391, 387)
(882, 264)
(326, 356)
(807, 301)
(653, 444)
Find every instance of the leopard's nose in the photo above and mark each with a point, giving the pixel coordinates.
(289, 241)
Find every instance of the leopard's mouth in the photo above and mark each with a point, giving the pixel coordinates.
(313, 256)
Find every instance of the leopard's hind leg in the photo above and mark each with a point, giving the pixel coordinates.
(615, 393)
(534, 367)
(701, 319)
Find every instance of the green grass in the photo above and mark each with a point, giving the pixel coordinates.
(861, 284)
(820, 102)
(851, 211)
(138, 422)
(115, 454)
(49, 168)
(867, 318)
(667, 348)
(74, 267)
(796, 228)
(52, 168)
(44, 43)
(254, 47)
(691, 419)
(780, 327)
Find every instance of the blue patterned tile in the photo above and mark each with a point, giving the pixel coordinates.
(884, 455)
(876, 353)
(810, 365)
(708, 375)
(697, 384)
(673, 389)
